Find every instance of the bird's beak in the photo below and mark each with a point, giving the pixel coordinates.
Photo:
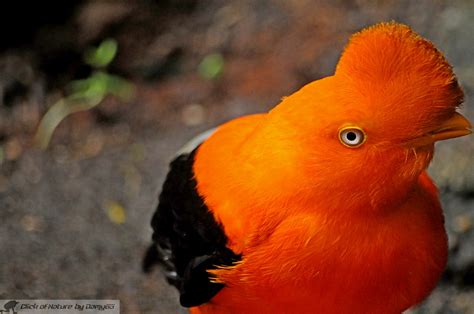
(455, 126)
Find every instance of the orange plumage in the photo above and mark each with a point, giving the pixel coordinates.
(330, 228)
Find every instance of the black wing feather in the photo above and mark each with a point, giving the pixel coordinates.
(187, 239)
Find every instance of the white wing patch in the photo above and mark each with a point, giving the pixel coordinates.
(192, 144)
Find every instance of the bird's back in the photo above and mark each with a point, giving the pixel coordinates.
(188, 240)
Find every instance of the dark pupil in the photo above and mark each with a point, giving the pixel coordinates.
(351, 136)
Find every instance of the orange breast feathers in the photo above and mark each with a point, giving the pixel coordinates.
(326, 196)
(306, 254)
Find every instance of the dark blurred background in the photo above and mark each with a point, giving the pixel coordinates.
(75, 214)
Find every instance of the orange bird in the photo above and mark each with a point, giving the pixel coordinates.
(323, 204)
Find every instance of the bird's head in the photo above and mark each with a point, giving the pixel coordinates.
(373, 124)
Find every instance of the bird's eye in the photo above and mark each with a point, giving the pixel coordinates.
(352, 136)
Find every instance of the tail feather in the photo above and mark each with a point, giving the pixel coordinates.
(157, 255)
(150, 259)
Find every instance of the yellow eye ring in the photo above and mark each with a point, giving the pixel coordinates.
(352, 136)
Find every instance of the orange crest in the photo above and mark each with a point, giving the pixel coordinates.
(392, 70)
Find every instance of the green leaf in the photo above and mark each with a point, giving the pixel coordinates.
(95, 86)
(211, 66)
(103, 55)
(119, 87)
(86, 93)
